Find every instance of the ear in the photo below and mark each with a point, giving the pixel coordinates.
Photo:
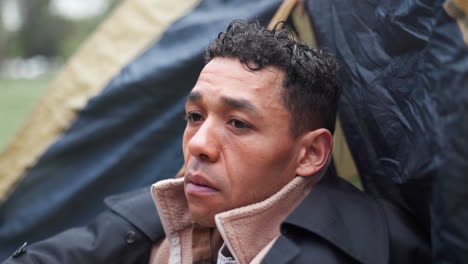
(316, 147)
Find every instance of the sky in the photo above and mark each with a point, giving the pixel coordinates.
(72, 9)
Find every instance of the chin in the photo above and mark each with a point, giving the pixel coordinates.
(202, 214)
(203, 211)
(206, 220)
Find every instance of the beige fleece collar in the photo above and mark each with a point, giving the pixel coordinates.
(246, 230)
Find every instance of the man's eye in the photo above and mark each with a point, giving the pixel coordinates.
(239, 124)
(194, 117)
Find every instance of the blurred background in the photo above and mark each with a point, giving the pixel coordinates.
(36, 38)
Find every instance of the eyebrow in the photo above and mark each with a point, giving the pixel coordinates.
(194, 96)
(240, 104)
(235, 103)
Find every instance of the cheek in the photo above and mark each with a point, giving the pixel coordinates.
(263, 155)
(247, 165)
(264, 166)
(185, 139)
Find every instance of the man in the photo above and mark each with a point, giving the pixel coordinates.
(255, 188)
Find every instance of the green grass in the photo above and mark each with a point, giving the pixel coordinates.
(17, 98)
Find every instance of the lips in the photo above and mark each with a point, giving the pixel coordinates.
(197, 184)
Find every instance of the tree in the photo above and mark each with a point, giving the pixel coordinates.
(3, 35)
(41, 32)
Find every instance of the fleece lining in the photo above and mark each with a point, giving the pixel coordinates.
(247, 231)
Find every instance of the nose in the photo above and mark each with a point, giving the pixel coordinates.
(204, 143)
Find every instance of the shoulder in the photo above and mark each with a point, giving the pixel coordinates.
(337, 223)
(118, 235)
(137, 207)
(408, 240)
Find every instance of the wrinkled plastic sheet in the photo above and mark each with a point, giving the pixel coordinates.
(404, 107)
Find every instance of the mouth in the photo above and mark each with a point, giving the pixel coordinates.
(197, 184)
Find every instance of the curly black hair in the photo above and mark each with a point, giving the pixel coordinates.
(311, 85)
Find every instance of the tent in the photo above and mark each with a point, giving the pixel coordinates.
(111, 121)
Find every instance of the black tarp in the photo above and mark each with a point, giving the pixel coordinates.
(404, 107)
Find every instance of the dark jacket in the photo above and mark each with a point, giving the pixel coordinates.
(336, 223)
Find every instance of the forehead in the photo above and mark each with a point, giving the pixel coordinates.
(228, 77)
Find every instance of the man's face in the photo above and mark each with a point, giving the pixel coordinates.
(237, 145)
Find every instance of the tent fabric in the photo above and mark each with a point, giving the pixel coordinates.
(450, 189)
(405, 78)
(449, 230)
(458, 9)
(130, 29)
(128, 136)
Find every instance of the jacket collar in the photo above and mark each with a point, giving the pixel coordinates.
(259, 223)
(342, 215)
(256, 223)
(169, 197)
(333, 210)
(138, 208)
